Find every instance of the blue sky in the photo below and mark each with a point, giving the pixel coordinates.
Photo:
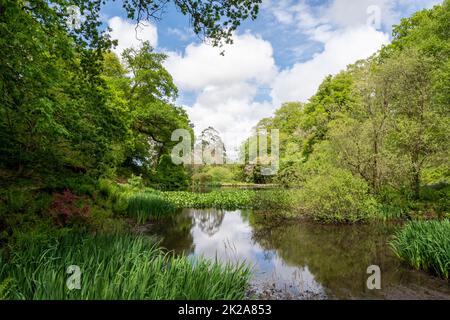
(282, 56)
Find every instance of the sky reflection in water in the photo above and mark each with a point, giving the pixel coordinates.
(298, 259)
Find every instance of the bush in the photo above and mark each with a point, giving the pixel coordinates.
(169, 176)
(276, 200)
(425, 245)
(220, 174)
(68, 209)
(337, 197)
(201, 178)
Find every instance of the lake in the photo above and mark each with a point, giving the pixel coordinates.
(298, 259)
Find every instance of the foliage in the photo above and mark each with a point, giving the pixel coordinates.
(425, 245)
(337, 197)
(284, 201)
(169, 176)
(201, 178)
(230, 199)
(280, 202)
(68, 209)
(215, 175)
(116, 267)
(213, 20)
(52, 110)
(69, 105)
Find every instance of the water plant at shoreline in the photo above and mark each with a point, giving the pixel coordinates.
(425, 245)
(136, 201)
(120, 266)
(144, 206)
(229, 199)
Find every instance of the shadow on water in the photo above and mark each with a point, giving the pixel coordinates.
(299, 260)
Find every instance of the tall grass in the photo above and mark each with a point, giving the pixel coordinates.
(116, 267)
(425, 245)
(144, 206)
(139, 203)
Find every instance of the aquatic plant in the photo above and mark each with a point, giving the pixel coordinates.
(425, 245)
(229, 199)
(273, 200)
(144, 206)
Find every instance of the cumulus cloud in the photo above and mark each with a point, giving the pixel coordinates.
(250, 58)
(341, 48)
(344, 13)
(130, 35)
(348, 30)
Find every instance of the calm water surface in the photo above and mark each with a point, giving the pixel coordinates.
(299, 260)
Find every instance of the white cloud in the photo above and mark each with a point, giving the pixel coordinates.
(130, 35)
(182, 34)
(341, 48)
(231, 110)
(250, 58)
(350, 13)
(343, 13)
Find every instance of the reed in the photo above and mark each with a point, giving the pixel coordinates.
(143, 206)
(116, 267)
(425, 245)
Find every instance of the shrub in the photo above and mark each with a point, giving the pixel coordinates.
(337, 197)
(136, 182)
(169, 176)
(276, 200)
(220, 174)
(425, 245)
(68, 209)
(201, 178)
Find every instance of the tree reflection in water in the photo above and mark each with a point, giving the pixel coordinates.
(209, 221)
(175, 233)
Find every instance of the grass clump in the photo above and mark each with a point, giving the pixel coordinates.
(134, 200)
(425, 245)
(144, 206)
(115, 267)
